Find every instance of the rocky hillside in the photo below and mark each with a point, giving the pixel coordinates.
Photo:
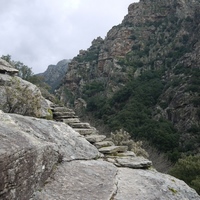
(46, 159)
(54, 74)
(144, 76)
(43, 159)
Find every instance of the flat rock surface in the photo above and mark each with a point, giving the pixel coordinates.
(71, 120)
(95, 138)
(80, 125)
(71, 144)
(128, 153)
(81, 180)
(86, 131)
(104, 144)
(141, 184)
(113, 149)
(133, 162)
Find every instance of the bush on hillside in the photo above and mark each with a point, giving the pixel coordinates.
(188, 170)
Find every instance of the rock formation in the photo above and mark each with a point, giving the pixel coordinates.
(154, 36)
(20, 96)
(5, 67)
(54, 74)
(68, 159)
(43, 159)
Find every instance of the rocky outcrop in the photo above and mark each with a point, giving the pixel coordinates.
(20, 96)
(5, 67)
(54, 74)
(42, 159)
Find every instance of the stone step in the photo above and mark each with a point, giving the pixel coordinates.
(95, 138)
(61, 109)
(113, 149)
(99, 145)
(61, 114)
(80, 125)
(71, 120)
(127, 154)
(86, 131)
(133, 162)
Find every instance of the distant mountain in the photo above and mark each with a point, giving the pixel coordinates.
(54, 74)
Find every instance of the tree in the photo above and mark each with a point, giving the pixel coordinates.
(188, 170)
(24, 71)
(6, 58)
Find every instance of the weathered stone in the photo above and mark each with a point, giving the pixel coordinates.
(22, 97)
(85, 131)
(99, 145)
(71, 120)
(71, 145)
(54, 74)
(83, 180)
(95, 138)
(127, 154)
(133, 162)
(64, 114)
(5, 67)
(62, 109)
(29, 150)
(150, 185)
(80, 125)
(113, 149)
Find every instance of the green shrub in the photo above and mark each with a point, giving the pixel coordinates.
(188, 170)
(122, 137)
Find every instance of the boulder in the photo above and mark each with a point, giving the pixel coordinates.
(22, 97)
(30, 150)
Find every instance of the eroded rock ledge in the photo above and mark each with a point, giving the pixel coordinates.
(48, 160)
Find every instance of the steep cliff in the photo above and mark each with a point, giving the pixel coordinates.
(55, 73)
(149, 64)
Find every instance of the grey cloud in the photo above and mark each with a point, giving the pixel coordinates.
(42, 32)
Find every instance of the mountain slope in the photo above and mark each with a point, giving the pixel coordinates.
(54, 74)
(144, 76)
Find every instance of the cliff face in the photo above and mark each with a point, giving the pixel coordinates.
(155, 36)
(54, 74)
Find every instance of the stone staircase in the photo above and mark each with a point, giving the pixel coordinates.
(118, 155)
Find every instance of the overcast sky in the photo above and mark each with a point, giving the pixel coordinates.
(43, 32)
